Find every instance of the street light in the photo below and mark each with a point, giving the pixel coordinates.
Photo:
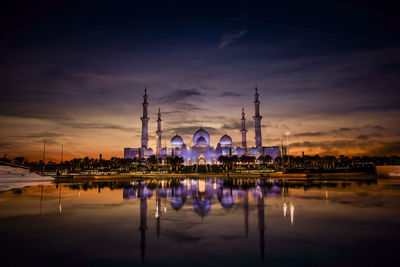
(287, 145)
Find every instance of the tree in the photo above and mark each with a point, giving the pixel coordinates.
(265, 159)
(19, 160)
(224, 160)
(152, 160)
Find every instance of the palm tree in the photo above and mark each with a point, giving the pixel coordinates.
(178, 162)
(265, 159)
(19, 160)
(224, 161)
(244, 159)
(152, 160)
(234, 160)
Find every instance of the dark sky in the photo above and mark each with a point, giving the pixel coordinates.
(328, 73)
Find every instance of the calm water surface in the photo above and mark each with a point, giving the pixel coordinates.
(209, 222)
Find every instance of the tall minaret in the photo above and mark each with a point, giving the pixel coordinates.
(159, 132)
(257, 120)
(145, 120)
(244, 131)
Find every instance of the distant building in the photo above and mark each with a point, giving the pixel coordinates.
(201, 151)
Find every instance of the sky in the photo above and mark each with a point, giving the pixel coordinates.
(73, 72)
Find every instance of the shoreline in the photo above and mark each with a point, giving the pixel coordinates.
(298, 176)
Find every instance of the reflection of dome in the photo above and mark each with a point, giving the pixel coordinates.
(227, 201)
(176, 141)
(201, 133)
(225, 140)
(202, 207)
(201, 141)
(177, 202)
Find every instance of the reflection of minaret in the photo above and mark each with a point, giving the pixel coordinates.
(257, 120)
(143, 223)
(261, 223)
(158, 212)
(244, 131)
(59, 201)
(246, 212)
(145, 120)
(159, 132)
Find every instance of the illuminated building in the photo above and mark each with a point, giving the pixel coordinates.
(202, 152)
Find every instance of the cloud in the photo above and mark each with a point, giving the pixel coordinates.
(182, 94)
(310, 134)
(368, 136)
(84, 125)
(228, 38)
(42, 135)
(363, 137)
(230, 94)
(378, 127)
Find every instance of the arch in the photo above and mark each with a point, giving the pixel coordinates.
(201, 160)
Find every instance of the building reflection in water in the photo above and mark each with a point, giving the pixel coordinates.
(291, 214)
(246, 212)
(261, 222)
(284, 209)
(158, 212)
(143, 219)
(202, 192)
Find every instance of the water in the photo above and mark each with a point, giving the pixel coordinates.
(209, 222)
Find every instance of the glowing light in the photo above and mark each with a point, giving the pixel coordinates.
(202, 186)
(291, 214)
(284, 209)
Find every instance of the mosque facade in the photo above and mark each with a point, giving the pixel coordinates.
(201, 151)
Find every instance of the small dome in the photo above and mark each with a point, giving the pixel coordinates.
(225, 140)
(202, 142)
(253, 150)
(177, 202)
(148, 152)
(176, 141)
(227, 201)
(201, 133)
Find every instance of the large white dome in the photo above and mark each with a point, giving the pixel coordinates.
(201, 133)
(177, 141)
(225, 140)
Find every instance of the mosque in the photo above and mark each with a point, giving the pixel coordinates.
(201, 151)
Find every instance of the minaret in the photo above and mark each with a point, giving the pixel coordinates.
(244, 131)
(145, 120)
(257, 120)
(159, 132)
